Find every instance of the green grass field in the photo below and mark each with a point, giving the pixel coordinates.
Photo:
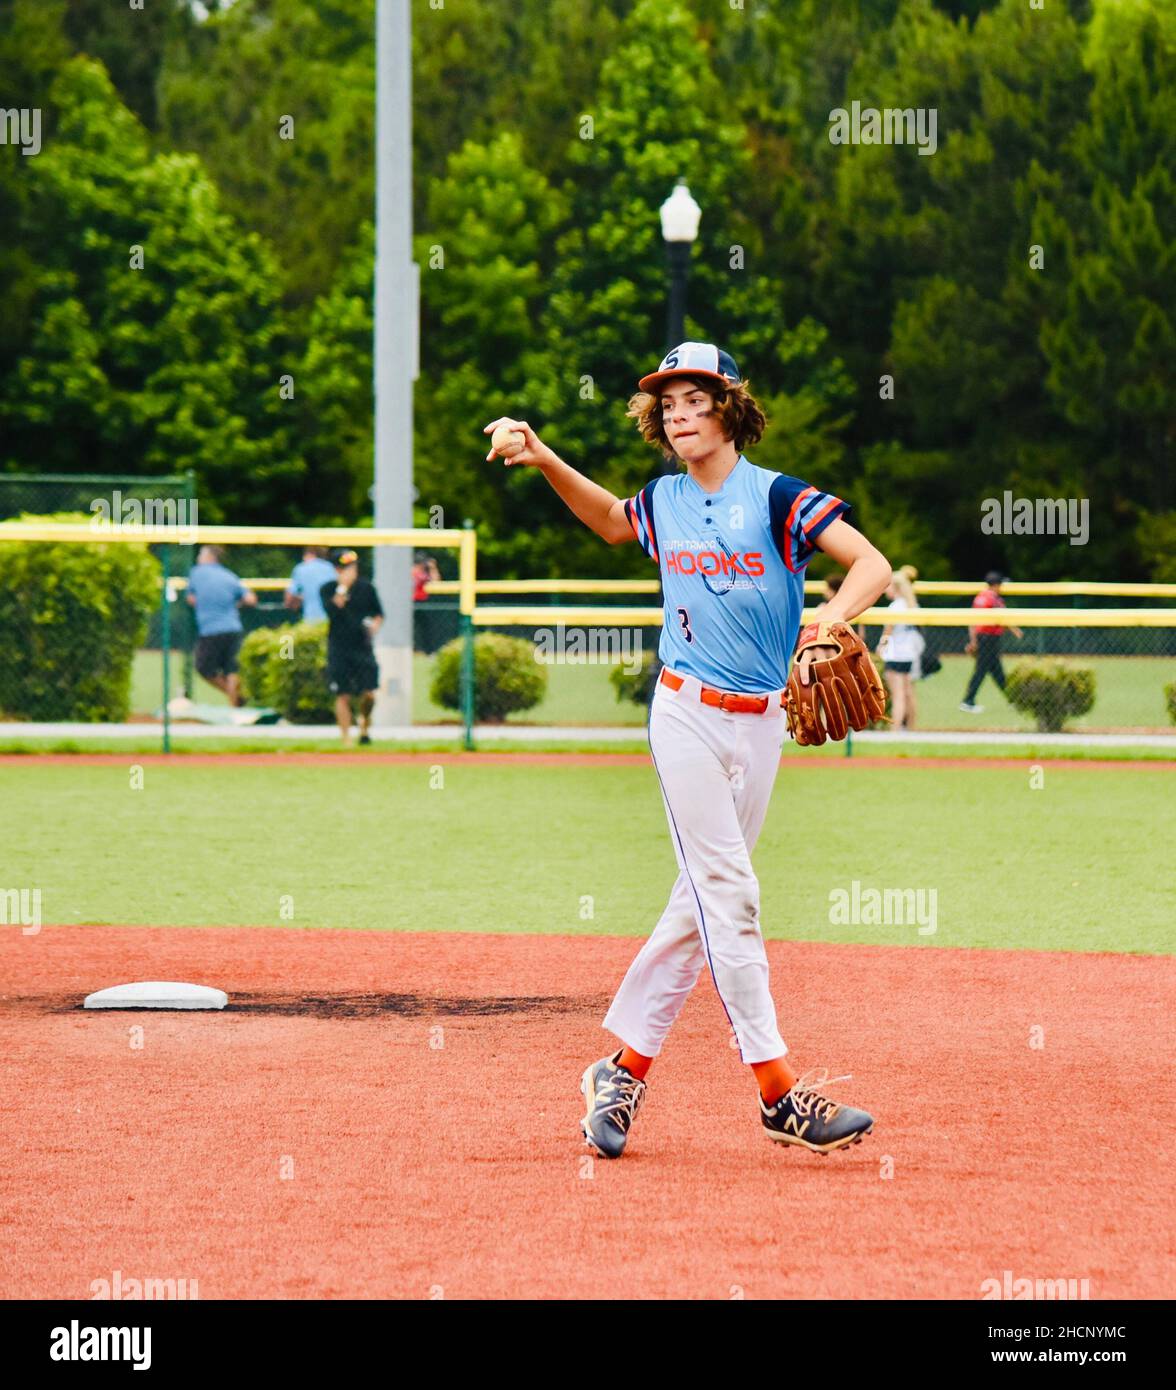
(1071, 866)
(1129, 695)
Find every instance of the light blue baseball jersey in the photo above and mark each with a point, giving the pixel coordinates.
(732, 570)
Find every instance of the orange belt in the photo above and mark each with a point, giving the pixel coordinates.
(722, 699)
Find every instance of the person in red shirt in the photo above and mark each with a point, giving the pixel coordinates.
(984, 642)
(424, 572)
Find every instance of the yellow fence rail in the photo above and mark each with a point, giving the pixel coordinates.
(469, 590)
(510, 616)
(944, 587)
(464, 541)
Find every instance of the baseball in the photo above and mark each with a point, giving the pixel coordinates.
(503, 439)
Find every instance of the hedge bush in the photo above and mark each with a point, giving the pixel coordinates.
(506, 677)
(1051, 692)
(637, 685)
(72, 615)
(285, 668)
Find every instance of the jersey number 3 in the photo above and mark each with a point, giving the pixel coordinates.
(684, 619)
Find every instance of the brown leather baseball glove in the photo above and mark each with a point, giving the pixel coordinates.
(843, 691)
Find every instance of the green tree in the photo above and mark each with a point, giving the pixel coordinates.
(659, 114)
(33, 49)
(464, 49)
(1110, 338)
(334, 395)
(662, 112)
(277, 99)
(130, 43)
(483, 281)
(171, 366)
(938, 247)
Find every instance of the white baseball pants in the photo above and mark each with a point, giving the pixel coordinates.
(716, 771)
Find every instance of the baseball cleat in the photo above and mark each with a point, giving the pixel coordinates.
(614, 1096)
(806, 1117)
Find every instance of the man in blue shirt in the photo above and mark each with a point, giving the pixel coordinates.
(306, 582)
(731, 542)
(216, 593)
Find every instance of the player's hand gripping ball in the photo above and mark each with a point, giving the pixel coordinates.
(517, 443)
(838, 691)
(504, 440)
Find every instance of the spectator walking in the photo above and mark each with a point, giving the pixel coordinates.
(984, 643)
(428, 621)
(900, 649)
(304, 591)
(424, 572)
(354, 613)
(217, 594)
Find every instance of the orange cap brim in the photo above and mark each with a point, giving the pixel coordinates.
(654, 380)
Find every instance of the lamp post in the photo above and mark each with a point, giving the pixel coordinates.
(680, 216)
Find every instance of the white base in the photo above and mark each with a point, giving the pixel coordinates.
(157, 994)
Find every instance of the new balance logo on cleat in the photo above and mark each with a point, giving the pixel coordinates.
(614, 1096)
(810, 1119)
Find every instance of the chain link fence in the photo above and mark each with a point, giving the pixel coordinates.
(89, 637)
(106, 633)
(1065, 670)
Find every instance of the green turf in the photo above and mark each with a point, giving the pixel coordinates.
(147, 683)
(257, 745)
(1129, 695)
(1073, 865)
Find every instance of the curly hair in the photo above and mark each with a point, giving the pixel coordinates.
(740, 417)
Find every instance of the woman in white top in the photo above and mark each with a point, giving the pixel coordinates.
(900, 649)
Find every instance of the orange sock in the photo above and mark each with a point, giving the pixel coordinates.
(634, 1063)
(775, 1078)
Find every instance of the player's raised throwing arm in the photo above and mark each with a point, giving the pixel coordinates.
(517, 443)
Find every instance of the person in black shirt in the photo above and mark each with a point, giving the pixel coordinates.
(354, 613)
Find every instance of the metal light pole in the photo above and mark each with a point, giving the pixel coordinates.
(395, 354)
(680, 216)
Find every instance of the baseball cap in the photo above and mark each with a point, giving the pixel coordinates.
(345, 557)
(693, 359)
(995, 577)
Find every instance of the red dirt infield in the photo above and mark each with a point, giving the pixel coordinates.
(321, 1138)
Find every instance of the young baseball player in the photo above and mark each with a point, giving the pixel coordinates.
(731, 542)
